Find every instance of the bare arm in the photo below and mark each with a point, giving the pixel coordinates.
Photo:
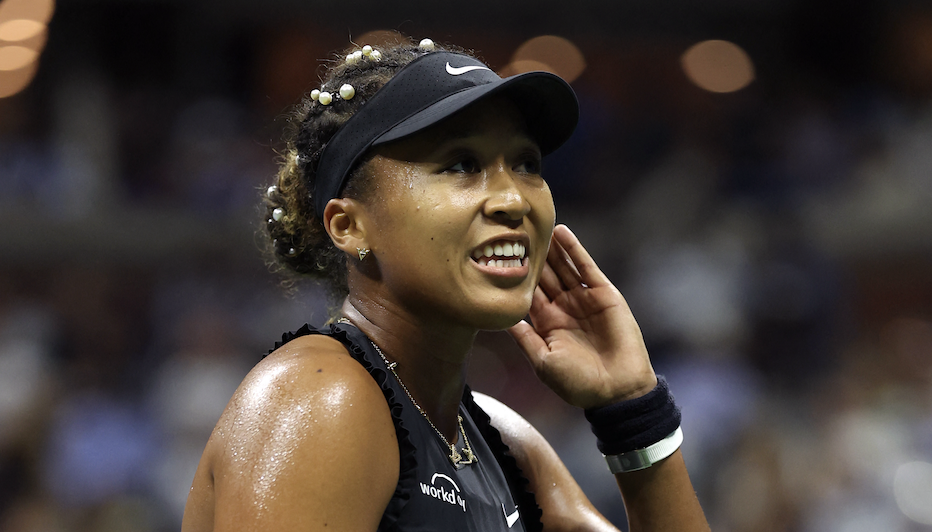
(586, 345)
(563, 503)
(658, 498)
(304, 437)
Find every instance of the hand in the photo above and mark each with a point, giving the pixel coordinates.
(584, 342)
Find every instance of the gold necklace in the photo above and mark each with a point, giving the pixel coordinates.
(458, 460)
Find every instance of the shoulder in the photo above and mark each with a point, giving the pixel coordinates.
(307, 412)
(309, 377)
(564, 505)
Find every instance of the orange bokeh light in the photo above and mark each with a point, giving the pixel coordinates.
(16, 57)
(718, 66)
(36, 10)
(557, 54)
(20, 29)
(14, 81)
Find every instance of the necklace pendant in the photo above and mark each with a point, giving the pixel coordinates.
(455, 457)
(470, 457)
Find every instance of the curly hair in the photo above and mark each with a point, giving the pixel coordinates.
(298, 243)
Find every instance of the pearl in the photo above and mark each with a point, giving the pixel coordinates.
(315, 94)
(375, 55)
(278, 214)
(291, 252)
(347, 92)
(426, 45)
(357, 55)
(366, 50)
(325, 98)
(272, 190)
(350, 59)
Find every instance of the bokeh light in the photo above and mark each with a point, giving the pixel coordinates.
(718, 66)
(20, 29)
(14, 81)
(16, 57)
(912, 487)
(548, 52)
(23, 22)
(37, 10)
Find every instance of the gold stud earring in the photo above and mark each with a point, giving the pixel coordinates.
(362, 253)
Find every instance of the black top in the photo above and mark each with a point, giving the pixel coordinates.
(489, 495)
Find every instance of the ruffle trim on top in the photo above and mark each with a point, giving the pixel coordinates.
(517, 483)
(408, 461)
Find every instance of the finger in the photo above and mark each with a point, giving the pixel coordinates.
(530, 343)
(561, 263)
(550, 283)
(539, 302)
(587, 269)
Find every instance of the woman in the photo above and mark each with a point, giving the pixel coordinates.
(413, 184)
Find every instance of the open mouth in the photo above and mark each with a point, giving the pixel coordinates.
(501, 254)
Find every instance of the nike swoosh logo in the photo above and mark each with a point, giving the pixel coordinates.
(458, 71)
(511, 519)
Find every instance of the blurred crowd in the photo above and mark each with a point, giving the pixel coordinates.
(775, 245)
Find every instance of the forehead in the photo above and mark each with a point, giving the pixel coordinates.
(496, 122)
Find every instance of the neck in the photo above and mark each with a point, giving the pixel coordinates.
(432, 357)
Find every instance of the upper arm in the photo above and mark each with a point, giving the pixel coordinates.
(307, 442)
(564, 505)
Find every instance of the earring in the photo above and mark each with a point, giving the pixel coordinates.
(362, 253)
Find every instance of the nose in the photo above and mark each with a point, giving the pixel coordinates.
(505, 199)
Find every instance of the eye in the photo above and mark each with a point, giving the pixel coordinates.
(464, 166)
(530, 165)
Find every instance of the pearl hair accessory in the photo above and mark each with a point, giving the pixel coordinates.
(271, 191)
(278, 214)
(347, 91)
(367, 51)
(427, 45)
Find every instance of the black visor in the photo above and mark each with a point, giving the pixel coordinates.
(430, 89)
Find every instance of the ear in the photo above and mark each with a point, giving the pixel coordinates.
(345, 222)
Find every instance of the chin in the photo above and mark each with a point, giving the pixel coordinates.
(502, 317)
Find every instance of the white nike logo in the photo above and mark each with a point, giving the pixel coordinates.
(457, 71)
(511, 519)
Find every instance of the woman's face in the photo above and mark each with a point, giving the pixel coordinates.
(460, 219)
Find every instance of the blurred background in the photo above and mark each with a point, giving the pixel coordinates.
(755, 175)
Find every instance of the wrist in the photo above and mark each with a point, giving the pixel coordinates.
(638, 430)
(639, 459)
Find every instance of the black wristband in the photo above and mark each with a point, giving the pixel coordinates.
(635, 424)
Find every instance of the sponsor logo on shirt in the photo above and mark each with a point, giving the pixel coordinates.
(446, 491)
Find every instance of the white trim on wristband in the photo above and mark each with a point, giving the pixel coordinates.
(643, 458)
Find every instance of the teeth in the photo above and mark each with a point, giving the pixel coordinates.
(487, 255)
